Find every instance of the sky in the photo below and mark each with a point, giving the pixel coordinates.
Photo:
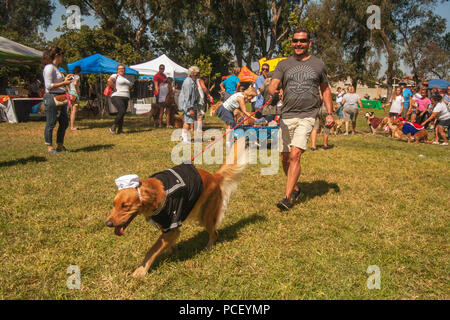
(443, 9)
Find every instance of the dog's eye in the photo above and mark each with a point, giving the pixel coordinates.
(124, 205)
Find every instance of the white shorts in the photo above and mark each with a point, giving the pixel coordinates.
(295, 132)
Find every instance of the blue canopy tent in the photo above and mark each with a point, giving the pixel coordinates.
(99, 64)
(442, 84)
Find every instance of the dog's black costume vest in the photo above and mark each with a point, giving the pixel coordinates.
(183, 186)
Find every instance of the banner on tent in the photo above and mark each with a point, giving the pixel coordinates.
(371, 104)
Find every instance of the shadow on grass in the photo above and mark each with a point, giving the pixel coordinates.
(132, 131)
(314, 189)
(22, 161)
(99, 124)
(213, 125)
(94, 148)
(187, 249)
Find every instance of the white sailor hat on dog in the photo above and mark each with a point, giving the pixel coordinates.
(128, 181)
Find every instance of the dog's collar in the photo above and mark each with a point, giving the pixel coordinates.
(139, 194)
(161, 206)
(158, 210)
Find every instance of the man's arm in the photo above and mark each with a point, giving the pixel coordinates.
(326, 94)
(155, 86)
(237, 86)
(274, 83)
(327, 99)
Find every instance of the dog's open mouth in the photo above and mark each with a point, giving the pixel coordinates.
(119, 229)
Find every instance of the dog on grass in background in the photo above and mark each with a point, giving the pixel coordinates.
(413, 131)
(172, 196)
(336, 128)
(239, 116)
(376, 123)
(154, 114)
(178, 121)
(214, 107)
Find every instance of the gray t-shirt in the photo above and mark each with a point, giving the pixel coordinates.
(351, 100)
(300, 81)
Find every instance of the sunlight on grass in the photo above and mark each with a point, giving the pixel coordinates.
(367, 201)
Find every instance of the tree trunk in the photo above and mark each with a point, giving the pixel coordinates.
(391, 61)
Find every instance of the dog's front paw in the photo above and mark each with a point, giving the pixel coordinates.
(139, 273)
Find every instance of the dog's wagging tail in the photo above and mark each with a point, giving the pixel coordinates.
(180, 194)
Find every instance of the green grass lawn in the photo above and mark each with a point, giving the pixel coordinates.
(367, 201)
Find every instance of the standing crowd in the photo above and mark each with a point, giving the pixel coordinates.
(297, 95)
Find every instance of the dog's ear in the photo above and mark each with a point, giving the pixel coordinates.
(152, 192)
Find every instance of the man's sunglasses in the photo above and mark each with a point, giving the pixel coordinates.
(300, 40)
(265, 69)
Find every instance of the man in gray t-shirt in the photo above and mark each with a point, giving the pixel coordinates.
(301, 76)
(300, 82)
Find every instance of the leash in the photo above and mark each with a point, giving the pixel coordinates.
(242, 121)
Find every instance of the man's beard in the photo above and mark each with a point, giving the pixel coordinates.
(302, 55)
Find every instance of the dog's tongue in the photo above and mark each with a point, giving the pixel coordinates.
(118, 231)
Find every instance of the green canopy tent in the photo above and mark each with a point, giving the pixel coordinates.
(371, 104)
(12, 53)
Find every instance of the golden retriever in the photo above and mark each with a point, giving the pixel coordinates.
(214, 107)
(336, 127)
(150, 198)
(419, 136)
(239, 116)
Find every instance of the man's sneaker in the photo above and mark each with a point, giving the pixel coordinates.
(284, 204)
(295, 194)
(444, 144)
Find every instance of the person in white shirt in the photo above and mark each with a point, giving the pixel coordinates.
(235, 101)
(339, 96)
(441, 112)
(74, 93)
(120, 97)
(55, 85)
(396, 103)
(162, 94)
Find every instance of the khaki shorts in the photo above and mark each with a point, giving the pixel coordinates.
(350, 113)
(295, 132)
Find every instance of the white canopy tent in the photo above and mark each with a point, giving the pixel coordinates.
(15, 53)
(151, 68)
